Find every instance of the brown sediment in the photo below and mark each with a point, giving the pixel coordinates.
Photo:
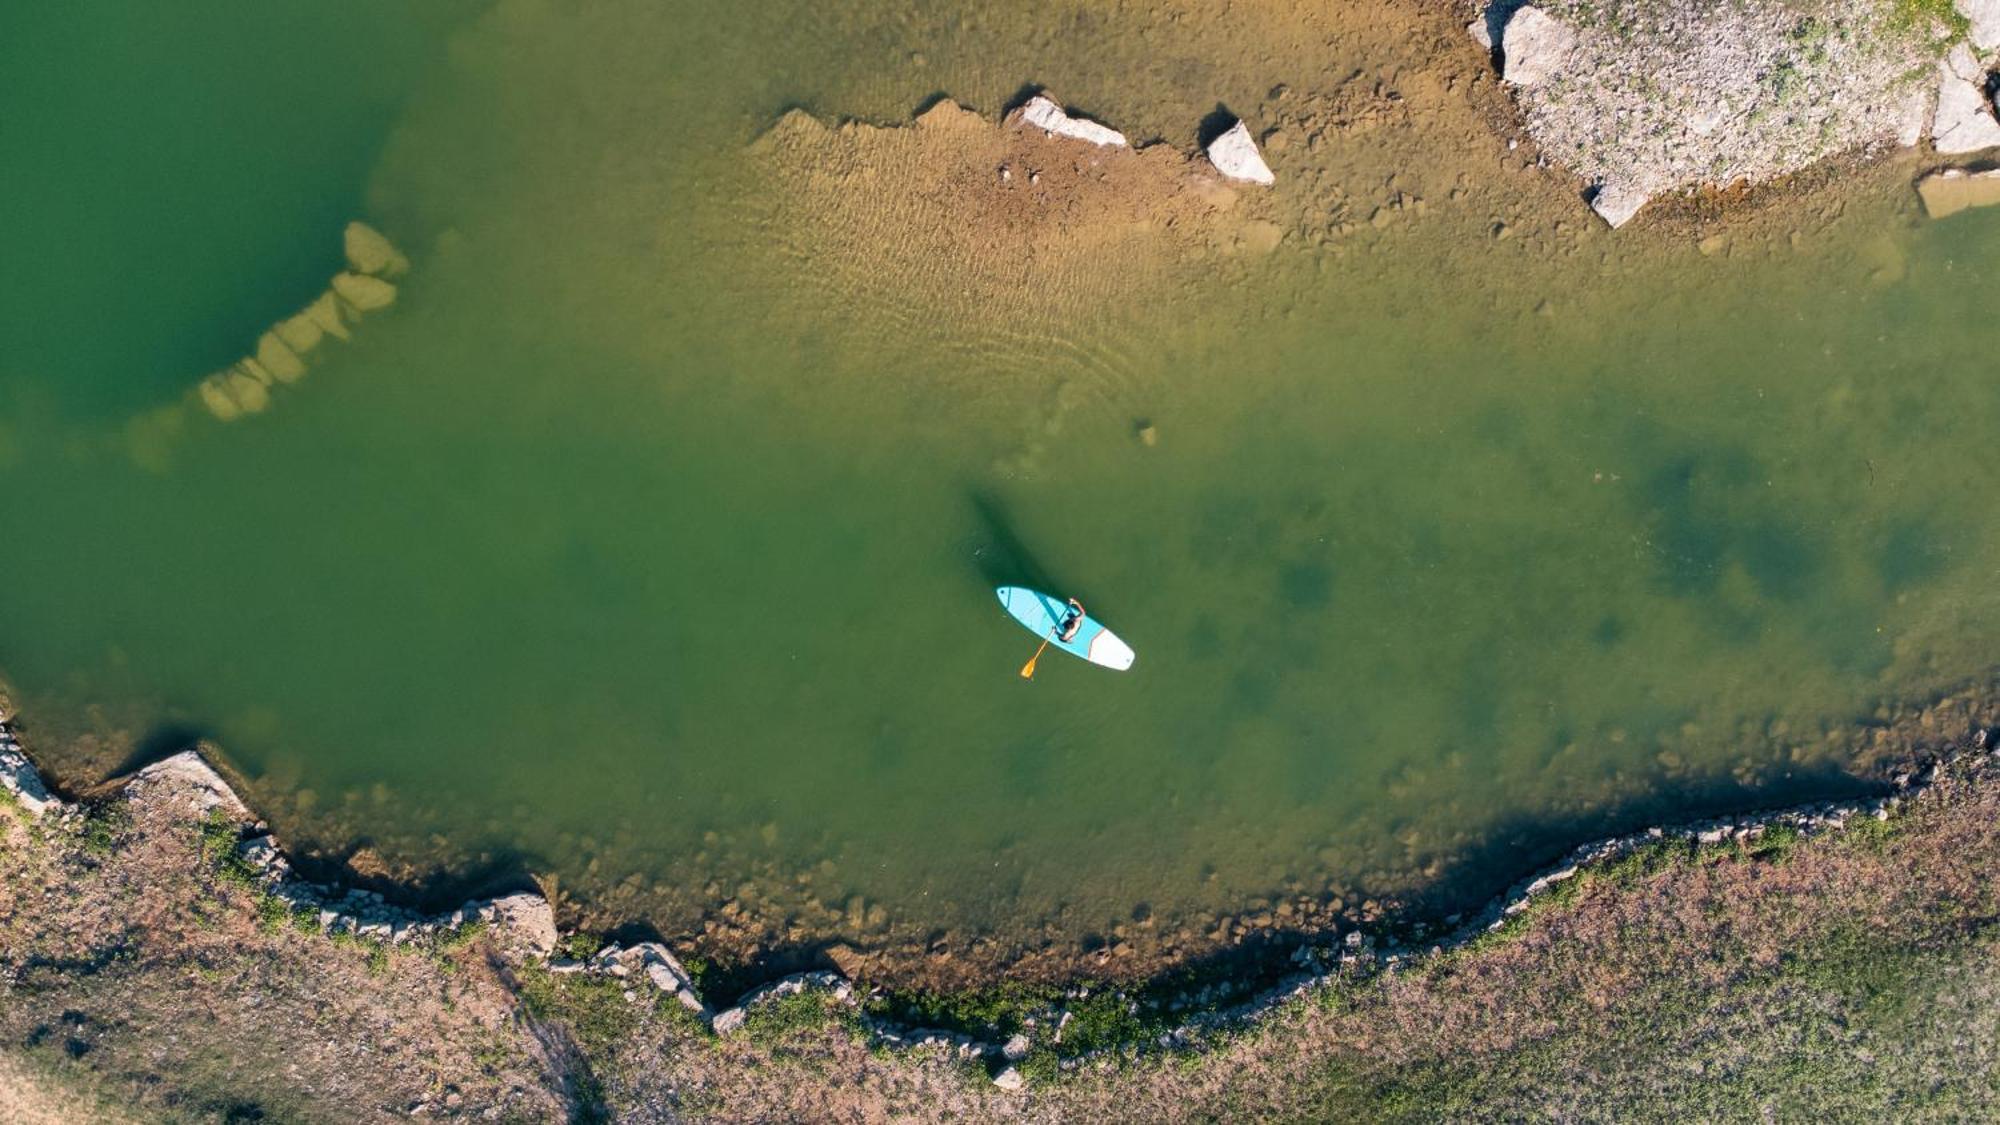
(999, 221)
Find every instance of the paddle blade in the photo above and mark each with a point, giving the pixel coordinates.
(1028, 669)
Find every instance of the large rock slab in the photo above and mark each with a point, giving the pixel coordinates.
(1043, 113)
(188, 779)
(1984, 18)
(1235, 155)
(1955, 189)
(523, 923)
(1964, 121)
(1534, 46)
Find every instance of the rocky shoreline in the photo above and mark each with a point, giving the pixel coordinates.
(1956, 737)
(1645, 98)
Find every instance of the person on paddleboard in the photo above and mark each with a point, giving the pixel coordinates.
(1072, 621)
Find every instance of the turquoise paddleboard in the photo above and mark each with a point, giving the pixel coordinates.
(1040, 613)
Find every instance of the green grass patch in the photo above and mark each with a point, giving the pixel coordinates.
(593, 1008)
(1924, 15)
(106, 825)
(218, 837)
(781, 1018)
(273, 913)
(987, 1013)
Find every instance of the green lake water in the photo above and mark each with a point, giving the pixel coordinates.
(617, 547)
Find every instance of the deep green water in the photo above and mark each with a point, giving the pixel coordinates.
(618, 546)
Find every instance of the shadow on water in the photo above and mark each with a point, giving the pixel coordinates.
(160, 743)
(1528, 844)
(1219, 121)
(1002, 558)
(437, 888)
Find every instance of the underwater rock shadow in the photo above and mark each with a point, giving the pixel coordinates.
(1004, 559)
(432, 890)
(157, 745)
(1528, 843)
(1218, 121)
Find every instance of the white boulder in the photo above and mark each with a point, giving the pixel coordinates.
(1044, 114)
(1616, 204)
(1533, 46)
(1964, 121)
(1235, 155)
(1010, 1079)
(1984, 17)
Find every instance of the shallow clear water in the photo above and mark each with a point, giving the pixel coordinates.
(623, 545)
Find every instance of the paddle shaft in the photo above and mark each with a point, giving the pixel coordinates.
(1028, 669)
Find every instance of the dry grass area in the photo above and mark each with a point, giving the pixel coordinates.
(135, 968)
(1850, 976)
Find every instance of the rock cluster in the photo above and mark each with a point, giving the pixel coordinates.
(244, 387)
(1643, 97)
(18, 777)
(649, 961)
(833, 984)
(523, 925)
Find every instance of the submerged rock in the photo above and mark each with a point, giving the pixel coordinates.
(300, 333)
(1964, 121)
(243, 388)
(365, 293)
(1533, 46)
(324, 313)
(368, 251)
(216, 399)
(1955, 189)
(277, 358)
(1235, 155)
(1043, 113)
(247, 390)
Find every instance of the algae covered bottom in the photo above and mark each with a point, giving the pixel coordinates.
(649, 540)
